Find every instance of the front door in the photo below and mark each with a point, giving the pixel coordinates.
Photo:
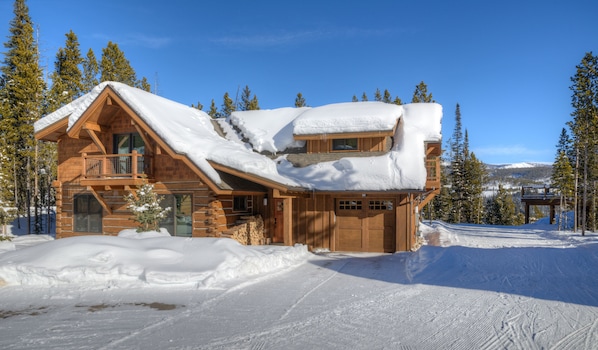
(278, 236)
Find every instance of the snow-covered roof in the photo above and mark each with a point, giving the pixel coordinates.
(348, 117)
(190, 131)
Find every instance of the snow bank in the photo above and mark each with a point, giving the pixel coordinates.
(154, 260)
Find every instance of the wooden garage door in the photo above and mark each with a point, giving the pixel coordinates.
(365, 225)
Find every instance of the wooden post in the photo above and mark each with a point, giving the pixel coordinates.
(134, 164)
(84, 169)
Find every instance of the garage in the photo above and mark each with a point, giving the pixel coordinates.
(365, 225)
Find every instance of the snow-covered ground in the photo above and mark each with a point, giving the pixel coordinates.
(470, 287)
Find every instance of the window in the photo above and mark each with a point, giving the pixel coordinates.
(344, 145)
(240, 203)
(178, 220)
(349, 205)
(87, 214)
(380, 205)
(126, 144)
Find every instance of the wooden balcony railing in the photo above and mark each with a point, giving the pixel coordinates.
(131, 166)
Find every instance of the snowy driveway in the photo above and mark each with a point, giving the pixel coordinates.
(522, 295)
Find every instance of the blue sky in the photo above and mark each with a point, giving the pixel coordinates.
(507, 63)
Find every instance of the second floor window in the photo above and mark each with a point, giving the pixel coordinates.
(126, 144)
(344, 144)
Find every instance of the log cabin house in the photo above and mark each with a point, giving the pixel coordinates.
(343, 177)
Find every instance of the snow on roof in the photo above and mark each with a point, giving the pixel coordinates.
(268, 129)
(189, 131)
(185, 129)
(348, 117)
(401, 168)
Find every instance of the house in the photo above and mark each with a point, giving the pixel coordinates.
(344, 177)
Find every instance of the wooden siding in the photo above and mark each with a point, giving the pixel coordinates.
(367, 144)
(317, 224)
(313, 221)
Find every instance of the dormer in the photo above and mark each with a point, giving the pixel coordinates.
(348, 127)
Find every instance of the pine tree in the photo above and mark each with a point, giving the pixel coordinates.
(144, 85)
(457, 171)
(563, 178)
(421, 94)
(144, 204)
(474, 178)
(354, 99)
(199, 106)
(213, 112)
(397, 101)
(67, 82)
(115, 67)
(90, 71)
(21, 96)
(247, 103)
(584, 127)
(364, 97)
(377, 95)
(501, 209)
(387, 98)
(300, 100)
(228, 106)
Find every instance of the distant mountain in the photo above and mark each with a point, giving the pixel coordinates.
(517, 175)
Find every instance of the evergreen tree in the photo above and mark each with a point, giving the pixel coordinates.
(22, 91)
(90, 71)
(354, 99)
(565, 145)
(145, 207)
(421, 94)
(563, 178)
(397, 101)
(474, 178)
(115, 67)
(457, 171)
(501, 209)
(245, 103)
(144, 85)
(199, 106)
(377, 95)
(67, 82)
(364, 97)
(387, 97)
(228, 106)
(300, 100)
(213, 111)
(584, 127)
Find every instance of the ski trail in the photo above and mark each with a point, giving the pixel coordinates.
(582, 338)
(306, 294)
(193, 310)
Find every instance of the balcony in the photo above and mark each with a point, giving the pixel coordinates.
(115, 169)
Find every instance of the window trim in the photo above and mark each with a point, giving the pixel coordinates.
(245, 208)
